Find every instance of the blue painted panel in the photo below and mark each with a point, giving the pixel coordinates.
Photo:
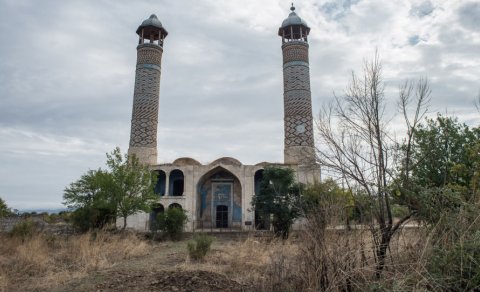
(222, 194)
(237, 213)
(203, 191)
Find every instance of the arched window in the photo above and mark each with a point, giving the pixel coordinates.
(258, 180)
(176, 183)
(156, 209)
(160, 185)
(175, 205)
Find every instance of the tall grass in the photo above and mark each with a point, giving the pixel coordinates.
(322, 257)
(45, 261)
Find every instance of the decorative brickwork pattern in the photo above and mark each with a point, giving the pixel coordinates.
(297, 103)
(143, 135)
(147, 82)
(298, 131)
(295, 51)
(149, 54)
(296, 77)
(298, 121)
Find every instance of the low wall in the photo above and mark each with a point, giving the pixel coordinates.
(7, 224)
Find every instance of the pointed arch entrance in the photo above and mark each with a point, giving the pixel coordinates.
(219, 197)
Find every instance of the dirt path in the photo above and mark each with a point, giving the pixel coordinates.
(158, 271)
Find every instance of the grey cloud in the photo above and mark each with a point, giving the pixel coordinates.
(335, 10)
(469, 16)
(423, 9)
(66, 82)
(413, 40)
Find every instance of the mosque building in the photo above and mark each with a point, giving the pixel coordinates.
(218, 195)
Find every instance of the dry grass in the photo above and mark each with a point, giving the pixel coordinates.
(333, 260)
(44, 261)
(253, 260)
(315, 259)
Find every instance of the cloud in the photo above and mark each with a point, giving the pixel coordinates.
(423, 9)
(469, 16)
(67, 71)
(334, 10)
(413, 40)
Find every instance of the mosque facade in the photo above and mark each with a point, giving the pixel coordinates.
(218, 195)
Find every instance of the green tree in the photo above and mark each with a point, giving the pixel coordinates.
(445, 153)
(320, 196)
(4, 209)
(125, 188)
(131, 187)
(279, 196)
(88, 191)
(89, 198)
(327, 192)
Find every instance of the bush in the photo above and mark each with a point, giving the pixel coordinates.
(171, 223)
(199, 247)
(456, 268)
(453, 263)
(24, 229)
(87, 218)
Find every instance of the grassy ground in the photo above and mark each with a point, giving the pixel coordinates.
(125, 262)
(112, 262)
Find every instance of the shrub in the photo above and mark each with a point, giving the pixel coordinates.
(87, 218)
(24, 229)
(457, 268)
(453, 263)
(199, 247)
(171, 223)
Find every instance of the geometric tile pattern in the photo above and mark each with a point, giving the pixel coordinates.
(146, 97)
(298, 122)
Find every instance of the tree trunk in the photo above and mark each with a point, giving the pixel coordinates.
(382, 252)
(124, 222)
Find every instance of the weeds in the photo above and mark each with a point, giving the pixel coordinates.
(43, 262)
(24, 230)
(198, 248)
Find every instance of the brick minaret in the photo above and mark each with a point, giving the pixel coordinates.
(143, 135)
(299, 146)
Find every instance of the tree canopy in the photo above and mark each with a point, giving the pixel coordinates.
(279, 197)
(446, 152)
(4, 209)
(124, 188)
(131, 185)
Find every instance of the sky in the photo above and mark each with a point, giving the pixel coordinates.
(67, 70)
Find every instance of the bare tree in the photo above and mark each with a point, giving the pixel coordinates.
(355, 144)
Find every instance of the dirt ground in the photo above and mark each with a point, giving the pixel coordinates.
(160, 270)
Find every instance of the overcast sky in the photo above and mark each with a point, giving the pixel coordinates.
(67, 70)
